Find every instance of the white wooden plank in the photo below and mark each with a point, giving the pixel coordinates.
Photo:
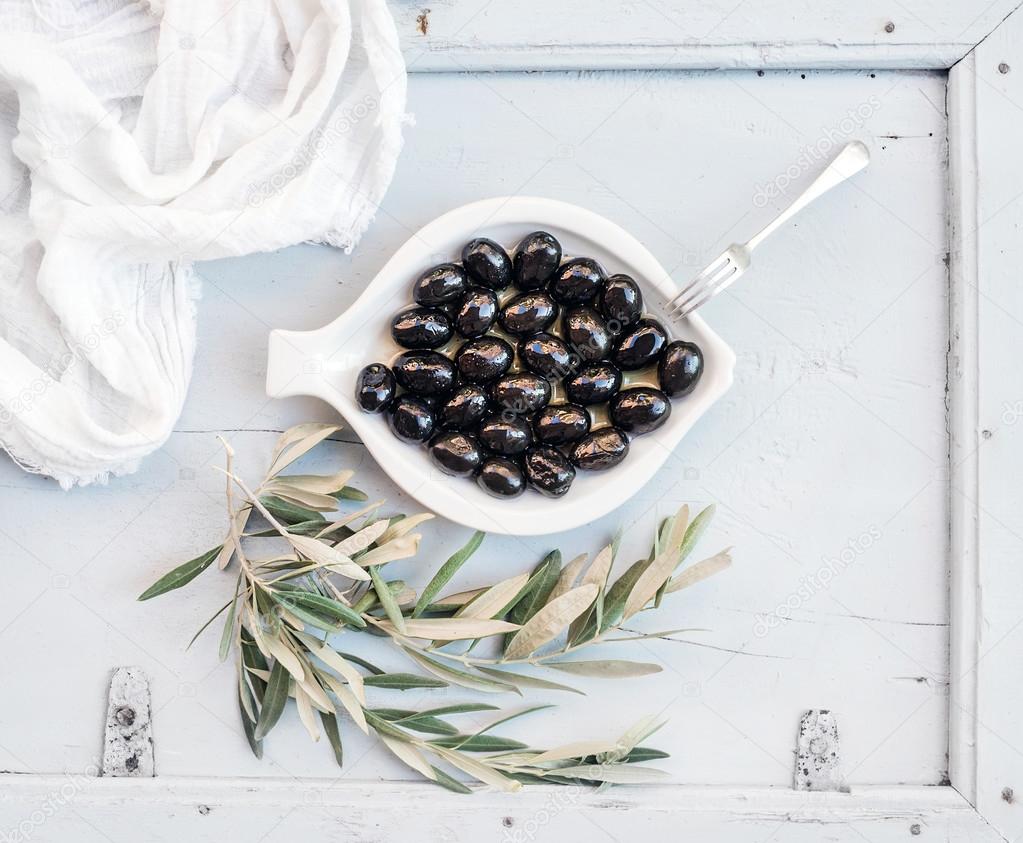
(841, 329)
(666, 34)
(989, 110)
(46, 809)
(965, 434)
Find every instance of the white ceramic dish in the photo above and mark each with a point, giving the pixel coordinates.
(325, 363)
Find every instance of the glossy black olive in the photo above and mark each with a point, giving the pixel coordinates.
(464, 409)
(547, 355)
(577, 281)
(641, 345)
(456, 453)
(374, 388)
(520, 393)
(621, 302)
(536, 260)
(483, 360)
(639, 410)
(441, 284)
(680, 368)
(561, 424)
(421, 327)
(586, 333)
(507, 435)
(501, 477)
(424, 372)
(487, 263)
(601, 449)
(528, 313)
(549, 471)
(595, 383)
(411, 419)
(476, 313)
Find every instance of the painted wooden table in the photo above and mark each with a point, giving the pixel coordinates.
(829, 460)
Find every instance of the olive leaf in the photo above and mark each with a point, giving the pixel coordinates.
(454, 629)
(494, 601)
(274, 698)
(549, 621)
(182, 575)
(297, 442)
(699, 571)
(446, 572)
(285, 606)
(402, 681)
(333, 733)
(606, 668)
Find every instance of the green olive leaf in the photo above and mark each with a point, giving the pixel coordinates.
(446, 572)
(182, 575)
(273, 701)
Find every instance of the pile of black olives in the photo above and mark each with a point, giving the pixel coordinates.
(519, 370)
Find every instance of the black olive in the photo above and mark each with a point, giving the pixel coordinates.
(639, 410)
(528, 313)
(501, 477)
(476, 313)
(421, 327)
(507, 435)
(464, 409)
(519, 393)
(424, 372)
(549, 471)
(443, 283)
(547, 355)
(641, 345)
(411, 419)
(595, 383)
(484, 359)
(560, 424)
(601, 449)
(536, 260)
(621, 302)
(487, 263)
(586, 333)
(374, 388)
(680, 368)
(456, 453)
(577, 281)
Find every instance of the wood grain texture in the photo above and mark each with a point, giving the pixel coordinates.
(47, 809)
(654, 34)
(989, 187)
(828, 459)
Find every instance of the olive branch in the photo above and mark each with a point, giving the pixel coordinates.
(289, 609)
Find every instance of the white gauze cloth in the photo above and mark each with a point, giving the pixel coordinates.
(138, 137)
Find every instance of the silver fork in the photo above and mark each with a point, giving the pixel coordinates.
(735, 260)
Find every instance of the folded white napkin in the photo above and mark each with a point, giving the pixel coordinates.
(136, 138)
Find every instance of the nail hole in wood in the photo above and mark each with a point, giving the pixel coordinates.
(1003, 68)
(889, 27)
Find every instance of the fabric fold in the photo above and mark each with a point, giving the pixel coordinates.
(137, 138)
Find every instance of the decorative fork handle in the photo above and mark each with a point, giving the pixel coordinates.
(853, 158)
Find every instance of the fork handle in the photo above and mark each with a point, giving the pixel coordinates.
(853, 158)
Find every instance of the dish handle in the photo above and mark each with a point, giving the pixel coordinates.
(294, 364)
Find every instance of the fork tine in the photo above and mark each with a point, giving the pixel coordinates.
(703, 281)
(707, 272)
(723, 284)
(706, 291)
